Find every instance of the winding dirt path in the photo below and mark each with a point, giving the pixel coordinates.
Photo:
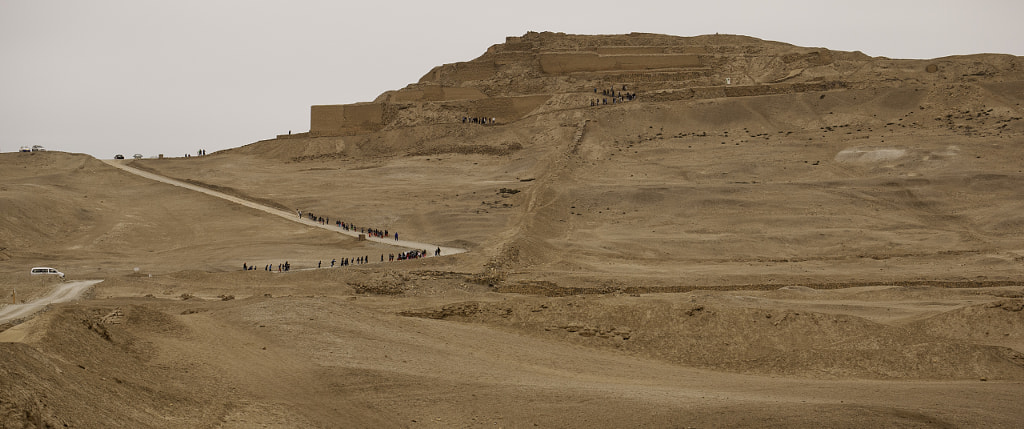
(292, 216)
(64, 292)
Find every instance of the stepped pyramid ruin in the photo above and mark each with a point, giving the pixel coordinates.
(548, 71)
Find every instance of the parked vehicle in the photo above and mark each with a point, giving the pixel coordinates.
(47, 271)
(118, 156)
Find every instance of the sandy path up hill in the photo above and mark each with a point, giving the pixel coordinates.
(284, 214)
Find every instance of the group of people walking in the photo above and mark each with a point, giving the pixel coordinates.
(479, 120)
(615, 96)
(373, 232)
(413, 254)
(348, 226)
(344, 262)
(269, 267)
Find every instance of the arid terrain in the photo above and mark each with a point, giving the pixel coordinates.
(823, 239)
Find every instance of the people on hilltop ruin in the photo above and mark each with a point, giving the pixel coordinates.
(479, 120)
(612, 95)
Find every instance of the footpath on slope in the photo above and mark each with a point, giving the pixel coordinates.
(292, 216)
(64, 292)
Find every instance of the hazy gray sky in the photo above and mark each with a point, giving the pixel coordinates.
(139, 76)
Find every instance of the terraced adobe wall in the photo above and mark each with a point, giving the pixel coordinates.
(572, 62)
(345, 119)
(506, 109)
(351, 119)
(707, 92)
(630, 50)
(435, 93)
(460, 72)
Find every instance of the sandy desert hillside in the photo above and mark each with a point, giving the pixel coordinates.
(894, 171)
(748, 233)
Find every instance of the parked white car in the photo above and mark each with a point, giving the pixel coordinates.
(47, 271)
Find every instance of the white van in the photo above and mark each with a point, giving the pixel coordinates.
(47, 270)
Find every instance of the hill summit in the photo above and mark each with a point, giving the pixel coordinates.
(539, 72)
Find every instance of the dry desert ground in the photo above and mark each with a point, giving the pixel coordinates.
(828, 239)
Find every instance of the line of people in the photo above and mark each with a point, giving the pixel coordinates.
(344, 262)
(373, 232)
(348, 226)
(479, 120)
(269, 267)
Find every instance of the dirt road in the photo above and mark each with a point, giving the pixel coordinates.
(64, 292)
(293, 216)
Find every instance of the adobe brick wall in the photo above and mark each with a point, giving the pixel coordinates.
(351, 119)
(334, 120)
(630, 50)
(506, 109)
(740, 91)
(460, 72)
(571, 62)
(434, 93)
(546, 65)
(326, 120)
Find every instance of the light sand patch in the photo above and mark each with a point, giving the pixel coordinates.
(860, 155)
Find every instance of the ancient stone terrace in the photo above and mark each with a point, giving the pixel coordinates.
(514, 78)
